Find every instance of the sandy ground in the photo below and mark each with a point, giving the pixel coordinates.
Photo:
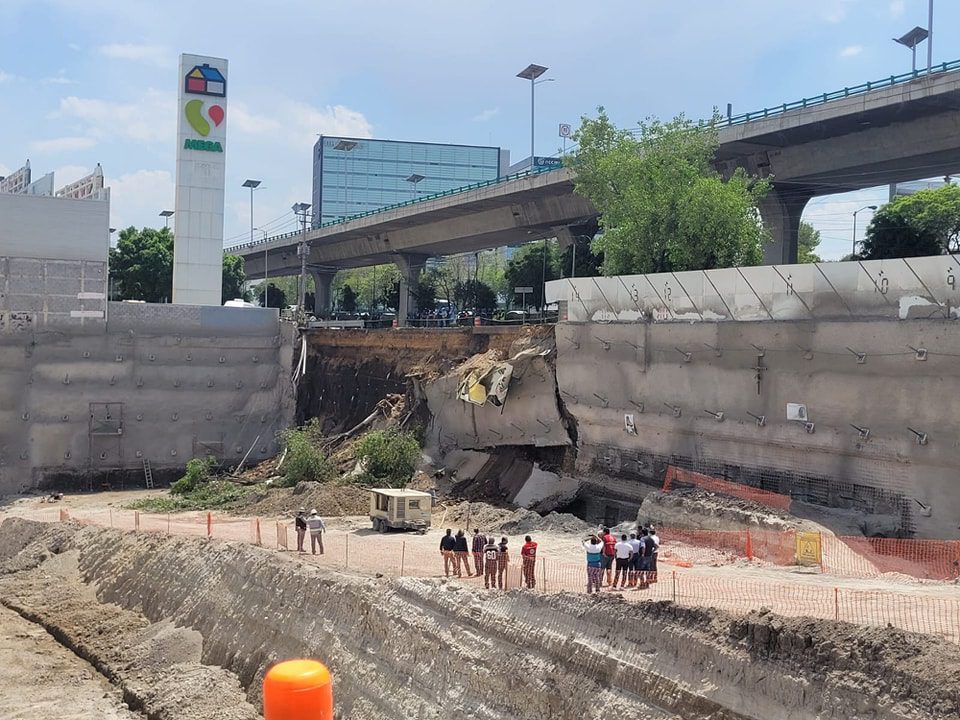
(39, 679)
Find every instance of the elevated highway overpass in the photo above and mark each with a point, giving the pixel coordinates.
(896, 129)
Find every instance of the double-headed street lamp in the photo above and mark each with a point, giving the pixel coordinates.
(866, 207)
(300, 210)
(531, 73)
(413, 180)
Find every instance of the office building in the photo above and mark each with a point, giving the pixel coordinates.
(356, 175)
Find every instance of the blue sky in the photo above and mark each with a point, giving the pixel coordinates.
(87, 81)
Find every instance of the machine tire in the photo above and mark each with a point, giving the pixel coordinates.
(382, 527)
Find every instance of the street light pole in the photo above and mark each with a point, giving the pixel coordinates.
(266, 302)
(930, 37)
(867, 207)
(300, 209)
(253, 185)
(165, 214)
(346, 146)
(531, 73)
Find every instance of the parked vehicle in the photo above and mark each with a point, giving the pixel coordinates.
(400, 509)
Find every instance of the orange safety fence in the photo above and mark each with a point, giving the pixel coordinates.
(926, 610)
(725, 487)
(870, 557)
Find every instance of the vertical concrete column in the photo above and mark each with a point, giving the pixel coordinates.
(411, 265)
(781, 211)
(321, 297)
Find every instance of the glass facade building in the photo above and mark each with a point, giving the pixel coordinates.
(355, 175)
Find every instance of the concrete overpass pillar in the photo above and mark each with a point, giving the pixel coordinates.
(781, 210)
(321, 298)
(411, 265)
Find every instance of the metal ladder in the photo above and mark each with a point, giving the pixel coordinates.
(148, 474)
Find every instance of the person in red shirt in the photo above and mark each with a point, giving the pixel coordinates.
(609, 553)
(529, 554)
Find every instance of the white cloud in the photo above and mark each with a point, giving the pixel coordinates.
(4, 170)
(152, 118)
(897, 8)
(6, 77)
(851, 51)
(247, 122)
(310, 121)
(70, 173)
(136, 198)
(157, 55)
(486, 115)
(62, 144)
(58, 80)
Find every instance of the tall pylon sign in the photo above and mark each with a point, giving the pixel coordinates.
(201, 167)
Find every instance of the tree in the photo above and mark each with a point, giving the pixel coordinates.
(348, 299)
(663, 206)
(588, 262)
(424, 293)
(276, 298)
(925, 223)
(476, 296)
(141, 267)
(529, 268)
(233, 278)
(807, 244)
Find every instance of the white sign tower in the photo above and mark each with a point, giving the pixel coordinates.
(201, 165)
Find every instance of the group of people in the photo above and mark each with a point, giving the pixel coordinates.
(630, 561)
(490, 558)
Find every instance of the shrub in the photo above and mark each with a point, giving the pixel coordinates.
(388, 456)
(199, 472)
(304, 462)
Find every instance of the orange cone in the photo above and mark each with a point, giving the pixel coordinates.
(298, 690)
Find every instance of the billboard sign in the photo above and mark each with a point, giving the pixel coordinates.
(547, 163)
(201, 166)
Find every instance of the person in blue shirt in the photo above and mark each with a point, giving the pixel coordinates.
(594, 548)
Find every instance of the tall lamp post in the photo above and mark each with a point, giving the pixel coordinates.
(867, 207)
(253, 185)
(346, 146)
(413, 180)
(166, 215)
(300, 210)
(531, 73)
(911, 40)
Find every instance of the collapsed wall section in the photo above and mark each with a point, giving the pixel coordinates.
(693, 395)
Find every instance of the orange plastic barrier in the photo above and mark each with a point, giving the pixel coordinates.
(724, 487)
(298, 690)
(869, 557)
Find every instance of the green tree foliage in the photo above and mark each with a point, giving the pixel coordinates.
(348, 299)
(475, 295)
(807, 244)
(233, 278)
(663, 206)
(589, 263)
(373, 285)
(424, 292)
(276, 297)
(925, 223)
(304, 462)
(141, 267)
(527, 268)
(198, 472)
(389, 457)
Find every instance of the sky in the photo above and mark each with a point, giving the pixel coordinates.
(88, 81)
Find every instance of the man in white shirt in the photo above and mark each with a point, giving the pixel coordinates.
(622, 554)
(316, 527)
(656, 551)
(636, 546)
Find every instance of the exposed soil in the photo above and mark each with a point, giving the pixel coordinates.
(328, 499)
(702, 510)
(421, 648)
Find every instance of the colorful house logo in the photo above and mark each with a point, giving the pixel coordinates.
(205, 80)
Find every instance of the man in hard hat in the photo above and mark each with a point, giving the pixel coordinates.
(316, 527)
(300, 522)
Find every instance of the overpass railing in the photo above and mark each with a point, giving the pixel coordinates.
(405, 203)
(826, 97)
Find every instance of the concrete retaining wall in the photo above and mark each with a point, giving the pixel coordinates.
(159, 382)
(667, 376)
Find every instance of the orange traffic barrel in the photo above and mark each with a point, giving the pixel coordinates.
(298, 690)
